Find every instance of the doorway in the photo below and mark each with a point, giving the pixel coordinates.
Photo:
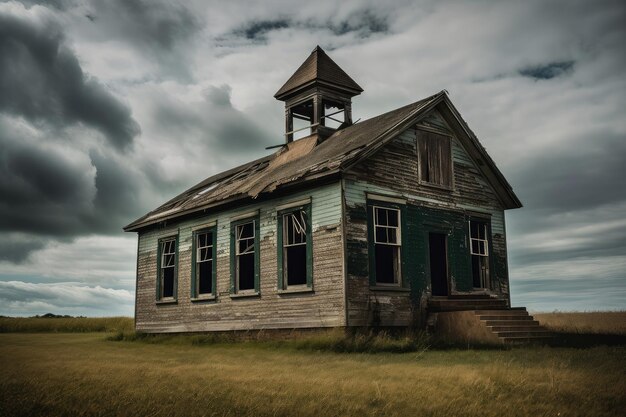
(438, 263)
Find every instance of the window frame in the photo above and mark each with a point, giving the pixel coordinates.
(422, 134)
(234, 277)
(401, 282)
(195, 283)
(282, 283)
(160, 274)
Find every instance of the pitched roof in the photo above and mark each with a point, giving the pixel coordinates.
(318, 67)
(307, 160)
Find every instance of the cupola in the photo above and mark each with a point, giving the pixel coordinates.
(318, 97)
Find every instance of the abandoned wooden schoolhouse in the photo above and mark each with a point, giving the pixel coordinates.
(391, 221)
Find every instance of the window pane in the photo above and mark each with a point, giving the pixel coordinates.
(295, 264)
(392, 236)
(392, 216)
(205, 275)
(168, 282)
(245, 230)
(381, 235)
(381, 216)
(245, 271)
(387, 264)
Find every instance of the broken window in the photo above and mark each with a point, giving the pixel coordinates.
(387, 245)
(434, 158)
(204, 267)
(479, 250)
(295, 248)
(167, 268)
(245, 255)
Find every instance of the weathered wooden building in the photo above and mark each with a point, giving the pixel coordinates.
(374, 223)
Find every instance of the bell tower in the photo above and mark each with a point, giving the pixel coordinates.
(318, 97)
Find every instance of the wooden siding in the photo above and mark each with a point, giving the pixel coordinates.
(393, 171)
(323, 307)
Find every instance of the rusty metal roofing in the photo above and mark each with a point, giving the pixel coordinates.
(309, 159)
(318, 67)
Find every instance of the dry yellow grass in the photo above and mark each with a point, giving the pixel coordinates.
(83, 374)
(600, 322)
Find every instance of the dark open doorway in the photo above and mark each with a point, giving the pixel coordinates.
(438, 263)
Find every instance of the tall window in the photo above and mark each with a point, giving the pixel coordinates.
(203, 273)
(294, 245)
(434, 158)
(167, 269)
(387, 245)
(245, 257)
(479, 250)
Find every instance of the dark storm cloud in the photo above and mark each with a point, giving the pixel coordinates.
(157, 24)
(41, 80)
(363, 23)
(18, 250)
(255, 30)
(548, 71)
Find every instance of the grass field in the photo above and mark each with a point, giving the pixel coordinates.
(86, 374)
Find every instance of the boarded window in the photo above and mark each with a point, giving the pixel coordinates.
(245, 255)
(435, 158)
(168, 267)
(387, 245)
(295, 247)
(204, 263)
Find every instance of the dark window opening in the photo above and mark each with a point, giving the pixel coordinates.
(168, 282)
(438, 263)
(387, 245)
(245, 256)
(387, 264)
(295, 247)
(168, 268)
(334, 114)
(245, 272)
(435, 158)
(204, 263)
(295, 264)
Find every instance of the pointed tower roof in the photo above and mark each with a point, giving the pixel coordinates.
(318, 68)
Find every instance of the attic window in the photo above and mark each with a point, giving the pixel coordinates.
(434, 158)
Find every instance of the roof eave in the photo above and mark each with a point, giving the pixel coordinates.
(138, 225)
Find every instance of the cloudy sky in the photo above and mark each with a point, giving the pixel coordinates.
(109, 108)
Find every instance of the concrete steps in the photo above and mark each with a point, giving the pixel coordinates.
(514, 326)
(482, 319)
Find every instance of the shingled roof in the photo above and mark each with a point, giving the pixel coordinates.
(307, 160)
(318, 67)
